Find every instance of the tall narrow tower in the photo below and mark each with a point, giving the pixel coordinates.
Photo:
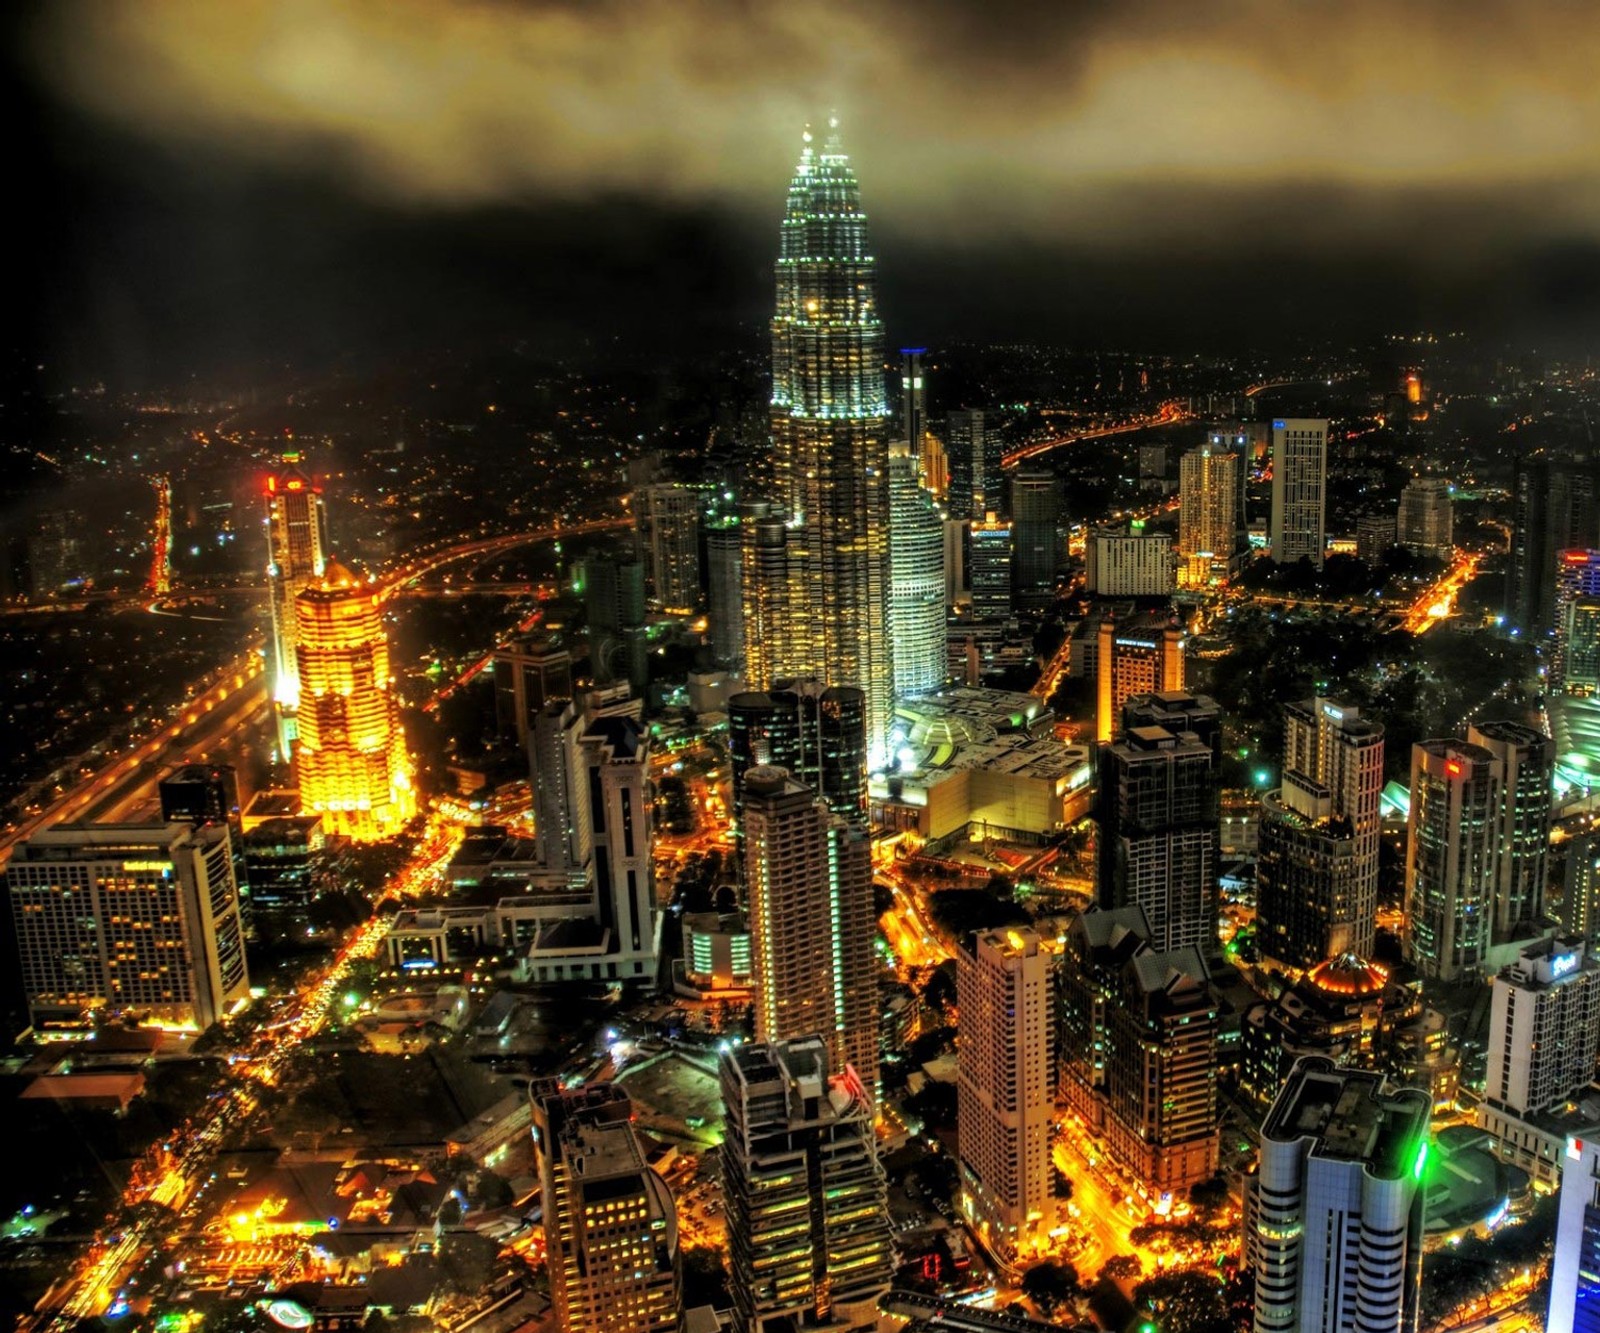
(297, 552)
(830, 431)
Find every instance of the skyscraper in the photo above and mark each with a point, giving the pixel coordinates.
(1134, 655)
(1209, 518)
(1557, 507)
(810, 1244)
(610, 1224)
(1317, 875)
(1424, 522)
(1157, 811)
(913, 400)
(1127, 562)
(209, 794)
(668, 525)
(136, 919)
(989, 568)
(972, 446)
(1580, 647)
(830, 432)
(725, 589)
(816, 732)
(1450, 857)
(351, 759)
(1006, 1093)
(809, 878)
(1036, 535)
(1577, 580)
(528, 673)
(1299, 490)
(1575, 1269)
(1522, 840)
(1333, 1218)
(297, 551)
(916, 592)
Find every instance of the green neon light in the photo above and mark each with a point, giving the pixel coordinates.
(1422, 1157)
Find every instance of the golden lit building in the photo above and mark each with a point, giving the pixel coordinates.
(351, 754)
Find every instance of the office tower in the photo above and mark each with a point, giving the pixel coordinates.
(1424, 523)
(1450, 857)
(972, 448)
(1317, 872)
(1209, 516)
(667, 520)
(1179, 712)
(1556, 508)
(1579, 647)
(614, 604)
(1577, 579)
(1157, 809)
(1333, 1217)
(209, 794)
(917, 588)
(297, 553)
(528, 674)
(1097, 944)
(808, 874)
(1036, 535)
(764, 583)
(1522, 841)
(279, 858)
(137, 919)
(989, 568)
(560, 828)
(1299, 484)
(1136, 654)
(816, 732)
(1544, 1031)
(615, 753)
(351, 759)
(1580, 898)
(830, 433)
(725, 589)
(1006, 1094)
(1375, 534)
(610, 1223)
(1125, 562)
(913, 400)
(955, 559)
(809, 1238)
(1575, 1268)
(1161, 1070)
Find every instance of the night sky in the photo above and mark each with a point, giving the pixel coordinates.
(210, 188)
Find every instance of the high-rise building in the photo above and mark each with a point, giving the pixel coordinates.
(615, 754)
(767, 613)
(1453, 826)
(1210, 519)
(989, 567)
(815, 732)
(614, 605)
(1557, 508)
(1134, 655)
(725, 590)
(1036, 535)
(1096, 945)
(1577, 579)
(209, 794)
(1375, 534)
(1424, 523)
(913, 400)
(297, 552)
(830, 434)
(610, 1223)
(1333, 1217)
(1580, 897)
(1544, 1029)
(138, 919)
(1317, 873)
(972, 446)
(810, 1244)
(1522, 841)
(917, 589)
(808, 874)
(559, 825)
(1158, 811)
(1161, 1071)
(1299, 490)
(1006, 1094)
(351, 758)
(280, 856)
(1127, 562)
(1575, 1267)
(668, 527)
(528, 674)
(1579, 647)
(1179, 712)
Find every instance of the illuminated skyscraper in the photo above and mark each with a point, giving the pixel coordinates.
(1450, 857)
(809, 1238)
(725, 584)
(610, 1224)
(1299, 490)
(297, 551)
(916, 595)
(809, 877)
(668, 519)
(351, 758)
(1575, 1269)
(1577, 580)
(973, 447)
(989, 566)
(1424, 522)
(1036, 535)
(913, 399)
(1208, 514)
(830, 446)
(1522, 842)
